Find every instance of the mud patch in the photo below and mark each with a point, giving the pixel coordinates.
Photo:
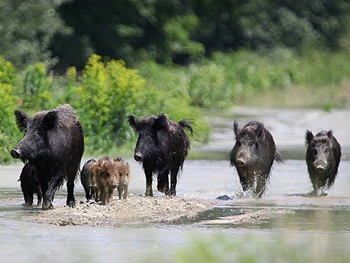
(135, 209)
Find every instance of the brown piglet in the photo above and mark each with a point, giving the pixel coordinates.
(124, 177)
(105, 172)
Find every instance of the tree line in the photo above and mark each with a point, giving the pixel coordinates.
(67, 32)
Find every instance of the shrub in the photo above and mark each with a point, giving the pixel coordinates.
(9, 134)
(105, 97)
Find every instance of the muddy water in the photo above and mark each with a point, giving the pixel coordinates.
(323, 219)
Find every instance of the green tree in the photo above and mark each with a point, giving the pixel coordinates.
(182, 31)
(27, 29)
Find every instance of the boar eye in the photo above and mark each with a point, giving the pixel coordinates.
(106, 174)
(326, 150)
(314, 151)
(120, 174)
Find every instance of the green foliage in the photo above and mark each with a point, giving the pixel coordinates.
(177, 33)
(8, 132)
(35, 90)
(27, 29)
(106, 93)
(7, 72)
(226, 80)
(185, 31)
(105, 97)
(172, 97)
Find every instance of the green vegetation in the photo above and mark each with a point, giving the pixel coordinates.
(179, 58)
(107, 92)
(313, 79)
(289, 248)
(104, 96)
(67, 32)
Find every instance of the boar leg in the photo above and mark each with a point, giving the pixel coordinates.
(103, 195)
(30, 199)
(70, 196)
(110, 195)
(173, 181)
(163, 180)
(126, 189)
(71, 175)
(120, 190)
(260, 185)
(39, 194)
(148, 174)
(53, 184)
(315, 184)
(26, 196)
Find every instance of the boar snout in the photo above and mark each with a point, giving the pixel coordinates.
(112, 185)
(15, 153)
(138, 156)
(320, 168)
(240, 162)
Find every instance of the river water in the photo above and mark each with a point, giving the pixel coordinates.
(320, 224)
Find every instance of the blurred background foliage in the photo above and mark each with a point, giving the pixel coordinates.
(110, 59)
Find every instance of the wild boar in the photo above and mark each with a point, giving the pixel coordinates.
(30, 185)
(162, 148)
(88, 180)
(322, 158)
(53, 143)
(253, 155)
(106, 174)
(124, 177)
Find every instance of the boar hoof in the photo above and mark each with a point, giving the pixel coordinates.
(171, 192)
(71, 204)
(47, 205)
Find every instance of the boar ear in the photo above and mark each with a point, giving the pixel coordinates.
(260, 130)
(236, 128)
(161, 122)
(22, 120)
(134, 123)
(49, 120)
(330, 134)
(308, 137)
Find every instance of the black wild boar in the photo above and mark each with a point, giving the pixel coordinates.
(253, 155)
(162, 148)
(54, 144)
(124, 177)
(106, 172)
(88, 180)
(30, 185)
(322, 158)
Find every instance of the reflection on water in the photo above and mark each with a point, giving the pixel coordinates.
(205, 178)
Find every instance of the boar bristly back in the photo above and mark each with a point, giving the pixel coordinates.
(323, 155)
(253, 155)
(54, 143)
(162, 147)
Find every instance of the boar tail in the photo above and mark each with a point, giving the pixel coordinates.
(278, 157)
(186, 124)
